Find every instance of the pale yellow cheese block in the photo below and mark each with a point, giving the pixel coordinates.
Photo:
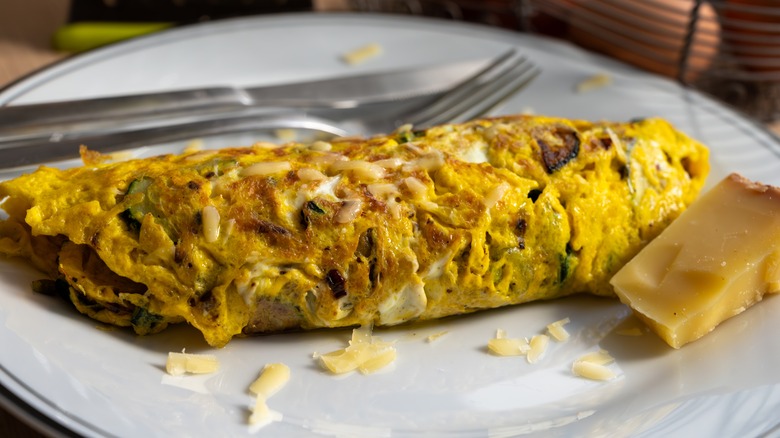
(717, 259)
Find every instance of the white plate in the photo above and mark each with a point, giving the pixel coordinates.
(98, 382)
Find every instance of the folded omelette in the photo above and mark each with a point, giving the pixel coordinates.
(410, 226)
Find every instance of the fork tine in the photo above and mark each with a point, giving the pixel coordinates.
(464, 88)
(480, 93)
(487, 96)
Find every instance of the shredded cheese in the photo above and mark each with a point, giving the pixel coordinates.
(503, 346)
(601, 357)
(260, 413)
(436, 336)
(362, 54)
(538, 346)
(365, 353)
(495, 195)
(272, 378)
(593, 366)
(594, 82)
(182, 363)
(508, 346)
(556, 330)
(592, 371)
(210, 217)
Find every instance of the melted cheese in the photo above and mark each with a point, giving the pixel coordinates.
(717, 259)
(405, 304)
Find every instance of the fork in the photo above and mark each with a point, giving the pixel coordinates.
(473, 97)
(478, 95)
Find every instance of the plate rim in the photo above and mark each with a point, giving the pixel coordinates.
(31, 412)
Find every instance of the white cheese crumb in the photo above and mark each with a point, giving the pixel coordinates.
(556, 330)
(594, 366)
(260, 413)
(382, 190)
(365, 353)
(429, 162)
(495, 195)
(272, 378)
(416, 188)
(390, 163)
(362, 54)
(594, 82)
(591, 370)
(210, 217)
(181, 363)
(308, 174)
(503, 346)
(601, 357)
(538, 348)
(349, 211)
(363, 170)
(508, 346)
(436, 336)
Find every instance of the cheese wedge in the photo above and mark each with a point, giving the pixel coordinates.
(717, 259)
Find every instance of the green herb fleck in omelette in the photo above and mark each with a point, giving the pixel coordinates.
(386, 230)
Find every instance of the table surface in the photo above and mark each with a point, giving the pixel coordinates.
(25, 32)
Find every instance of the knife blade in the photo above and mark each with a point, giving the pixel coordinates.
(92, 115)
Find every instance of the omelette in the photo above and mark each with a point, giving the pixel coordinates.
(404, 227)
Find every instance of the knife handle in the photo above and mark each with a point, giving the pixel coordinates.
(92, 114)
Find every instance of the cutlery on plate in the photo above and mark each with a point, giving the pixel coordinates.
(106, 113)
(473, 97)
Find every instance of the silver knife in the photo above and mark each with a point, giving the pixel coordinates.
(92, 115)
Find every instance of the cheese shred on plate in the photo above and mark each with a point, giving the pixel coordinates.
(593, 366)
(538, 347)
(556, 330)
(503, 346)
(362, 54)
(273, 378)
(182, 363)
(594, 82)
(365, 353)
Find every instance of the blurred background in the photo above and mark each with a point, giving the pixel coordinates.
(729, 49)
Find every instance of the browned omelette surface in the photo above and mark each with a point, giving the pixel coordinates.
(409, 226)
